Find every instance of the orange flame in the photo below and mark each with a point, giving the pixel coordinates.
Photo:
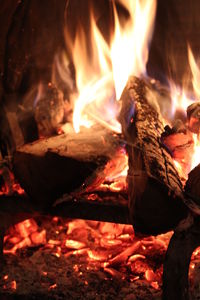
(129, 49)
(195, 72)
(180, 101)
(103, 73)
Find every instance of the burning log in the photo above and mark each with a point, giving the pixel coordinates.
(192, 184)
(48, 168)
(176, 266)
(179, 142)
(193, 116)
(155, 189)
(182, 245)
(49, 111)
(111, 207)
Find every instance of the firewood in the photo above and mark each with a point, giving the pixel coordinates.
(107, 207)
(192, 186)
(49, 110)
(176, 265)
(155, 189)
(48, 168)
(193, 116)
(179, 142)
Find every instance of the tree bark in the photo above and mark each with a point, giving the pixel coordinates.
(155, 189)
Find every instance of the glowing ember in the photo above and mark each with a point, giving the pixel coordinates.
(53, 286)
(116, 172)
(24, 234)
(9, 185)
(74, 244)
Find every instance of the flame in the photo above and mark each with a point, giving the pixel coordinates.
(129, 49)
(195, 72)
(196, 86)
(102, 69)
(180, 102)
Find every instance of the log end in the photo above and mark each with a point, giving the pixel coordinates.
(46, 178)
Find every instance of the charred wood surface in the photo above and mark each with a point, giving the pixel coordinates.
(193, 116)
(48, 168)
(111, 207)
(155, 189)
(176, 266)
(192, 191)
(192, 186)
(108, 207)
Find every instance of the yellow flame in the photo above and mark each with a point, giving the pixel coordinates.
(129, 49)
(102, 70)
(195, 72)
(196, 86)
(180, 101)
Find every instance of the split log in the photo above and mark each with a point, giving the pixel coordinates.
(48, 168)
(155, 189)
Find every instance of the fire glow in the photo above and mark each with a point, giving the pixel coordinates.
(100, 80)
(180, 101)
(102, 75)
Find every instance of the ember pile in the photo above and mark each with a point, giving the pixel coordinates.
(90, 255)
(50, 256)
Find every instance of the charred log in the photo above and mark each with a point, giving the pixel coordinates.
(155, 189)
(180, 144)
(176, 266)
(192, 187)
(193, 116)
(48, 168)
(111, 207)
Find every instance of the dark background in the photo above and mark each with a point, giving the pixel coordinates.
(31, 32)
